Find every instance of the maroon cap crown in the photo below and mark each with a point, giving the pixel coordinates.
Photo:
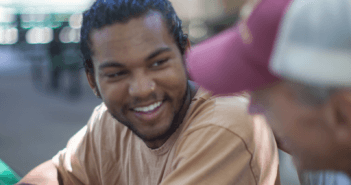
(238, 58)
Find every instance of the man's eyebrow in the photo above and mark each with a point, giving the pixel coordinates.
(110, 64)
(157, 52)
(119, 65)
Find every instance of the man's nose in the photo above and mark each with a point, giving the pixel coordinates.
(141, 86)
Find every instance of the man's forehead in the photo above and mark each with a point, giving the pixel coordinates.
(152, 21)
(142, 33)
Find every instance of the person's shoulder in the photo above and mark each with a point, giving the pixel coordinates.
(98, 116)
(103, 127)
(231, 111)
(234, 102)
(226, 112)
(101, 116)
(100, 109)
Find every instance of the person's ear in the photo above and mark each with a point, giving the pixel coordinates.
(188, 45)
(186, 53)
(92, 83)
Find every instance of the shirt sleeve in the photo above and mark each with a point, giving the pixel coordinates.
(242, 152)
(212, 155)
(77, 160)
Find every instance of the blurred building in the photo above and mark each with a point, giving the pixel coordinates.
(35, 22)
(204, 18)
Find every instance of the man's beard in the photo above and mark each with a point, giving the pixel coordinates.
(176, 122)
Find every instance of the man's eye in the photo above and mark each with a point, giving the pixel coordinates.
(158, 63)
(114, 75)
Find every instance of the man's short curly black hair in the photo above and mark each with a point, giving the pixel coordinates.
(107, 12)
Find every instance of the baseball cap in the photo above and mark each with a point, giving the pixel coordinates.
(303, 40)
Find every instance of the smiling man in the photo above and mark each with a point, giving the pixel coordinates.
(295, 58)
(139, 74)
(154, 125)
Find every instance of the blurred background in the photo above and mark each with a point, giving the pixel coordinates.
(44, 94)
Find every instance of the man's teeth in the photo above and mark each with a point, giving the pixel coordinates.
(148, 108)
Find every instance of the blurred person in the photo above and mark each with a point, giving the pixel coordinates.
(154, 125)
(57, 64)
(294, 57)
(36, 59)
(73, 66)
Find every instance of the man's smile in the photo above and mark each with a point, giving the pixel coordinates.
(149, 108)
(151, 112)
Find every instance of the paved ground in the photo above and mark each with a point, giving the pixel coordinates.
(36, 124)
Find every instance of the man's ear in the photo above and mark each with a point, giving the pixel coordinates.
(188, 45)
(186, 53)
(92, 83)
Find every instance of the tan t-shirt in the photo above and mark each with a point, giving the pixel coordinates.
(218, 143)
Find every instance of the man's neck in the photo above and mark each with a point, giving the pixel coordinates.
(190, 94)
(193, 89)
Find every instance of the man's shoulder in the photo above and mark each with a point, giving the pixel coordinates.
(103, 126)
(229, 115)
(98, 117)
(236, 103)
(224, 111)
(231, 111)
(100, 109)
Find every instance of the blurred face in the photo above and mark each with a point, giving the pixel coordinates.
(302, 128)
(140, 76)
